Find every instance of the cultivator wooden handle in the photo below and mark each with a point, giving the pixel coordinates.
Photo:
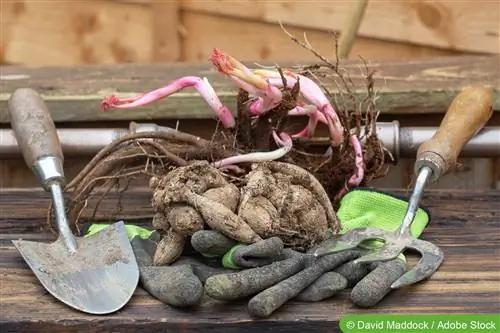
(467, 115)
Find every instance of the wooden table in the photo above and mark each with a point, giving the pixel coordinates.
(466, 224)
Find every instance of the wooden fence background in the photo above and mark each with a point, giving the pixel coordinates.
(71, 33)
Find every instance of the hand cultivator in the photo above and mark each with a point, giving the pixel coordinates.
(466, 116)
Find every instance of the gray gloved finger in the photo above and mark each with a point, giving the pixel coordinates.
(326, 286)
(155, 237)
(176, 286)
(250, 281)
(144, 250)
(200, 269)
(211, 243)
(377, 284)
(269, 300)
(258, 254)
(353, 272)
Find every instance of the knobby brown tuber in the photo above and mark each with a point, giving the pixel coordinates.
(276, 200)
(283, 200)
(190, 197)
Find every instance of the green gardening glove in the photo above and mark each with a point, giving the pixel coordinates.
(370, 208)
(132, 230)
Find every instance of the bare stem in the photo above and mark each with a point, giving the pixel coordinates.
(283, 140)
(201, 84)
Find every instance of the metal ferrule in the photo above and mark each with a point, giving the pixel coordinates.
(49, 169)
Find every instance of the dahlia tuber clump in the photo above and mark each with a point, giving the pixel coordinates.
(277, 199)
(266, 91)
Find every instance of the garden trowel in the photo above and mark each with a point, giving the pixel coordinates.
(96, 274)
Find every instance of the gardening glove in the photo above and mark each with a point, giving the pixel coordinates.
(178, 285)
(212, 243)
(366, 207)
(250, 281)
(272, 285)
(132, 230)
(328, 275)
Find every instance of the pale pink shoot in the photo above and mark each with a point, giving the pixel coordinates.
(314, 117)
(359, 174)
(283, 140)
(312, 92)
(270, 96)
(201, 84)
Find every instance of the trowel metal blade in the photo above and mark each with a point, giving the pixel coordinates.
(99, 278)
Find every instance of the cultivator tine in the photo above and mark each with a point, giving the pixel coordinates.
(388, 252)
(427, 265)
(349, 241)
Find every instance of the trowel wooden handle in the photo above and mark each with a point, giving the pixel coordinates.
(33, 126)
(468, 113)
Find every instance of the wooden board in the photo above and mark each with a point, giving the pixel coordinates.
(253, 40)
(404, 87)
(109, 31)
(465, 25)
(66, 33)
(464, 224)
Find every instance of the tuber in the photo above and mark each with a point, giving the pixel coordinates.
(289, 204)
(189, 198)
(169, 248)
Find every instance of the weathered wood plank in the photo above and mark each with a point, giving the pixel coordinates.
(93, 36)
(74, 94)
(257, 40)
(74, 32)
(165, 29)
(462, 25)
(464, 223)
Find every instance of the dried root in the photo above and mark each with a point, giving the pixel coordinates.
(135, 156)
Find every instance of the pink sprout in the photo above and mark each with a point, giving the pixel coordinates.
(201, 84)
(312, 92)
(268, 95)
(359, 174)
(314, 117)
(283, 140)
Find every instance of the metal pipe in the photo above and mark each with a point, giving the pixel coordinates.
(79, 141)
(404, 141)
(400, 142)
(485, 144)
